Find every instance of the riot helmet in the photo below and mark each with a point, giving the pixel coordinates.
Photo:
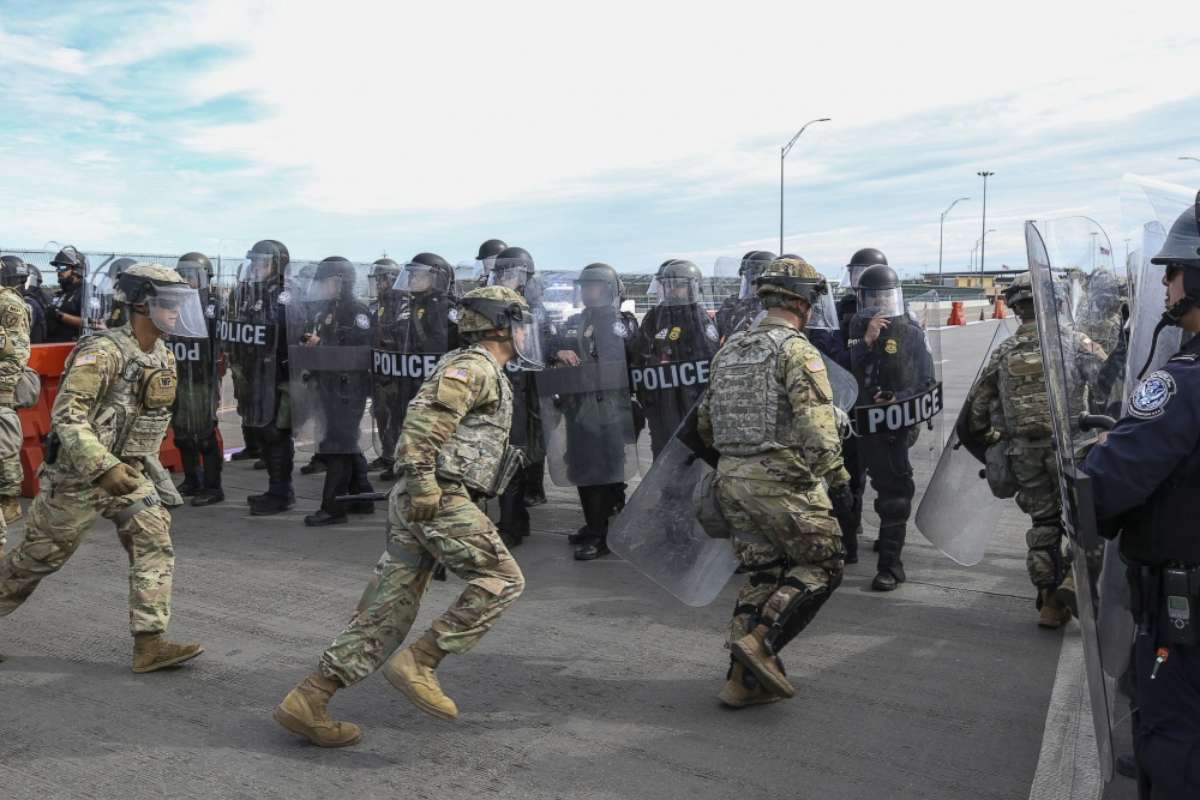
(599, 286)
(333, 280)
(172, 305)
(860, 262)
(196, 269)
(426, 272)
(264, 262)
(512, 267)
(14, 272)
(753, 264)
(677, 283)
(490, 308)
(879, 292)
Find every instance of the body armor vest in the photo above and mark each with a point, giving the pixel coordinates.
(478, 454)
(751, 413)
(132, 416)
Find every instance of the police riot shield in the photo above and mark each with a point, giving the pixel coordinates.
(675, 343)
(958, 511)
(415, 325)
(100, 311)
(1062, 254)
(195, 412)
(586, 400)
(329, 354)
(899, 375)
(248, 332)
(739, 305)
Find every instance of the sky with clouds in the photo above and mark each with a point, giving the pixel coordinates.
(626, 132)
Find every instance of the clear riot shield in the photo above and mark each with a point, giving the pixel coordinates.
(415, 325)
(329, 354)
(195, 412)
(248, 335)
(899, 377)
(1061, 256)
(586, 400)
(958, 511)
(739, 304)
(100, 311)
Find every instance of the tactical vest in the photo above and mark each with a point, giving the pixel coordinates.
(477, 454)
(133, 415)
(1023, 390)
(751, 412)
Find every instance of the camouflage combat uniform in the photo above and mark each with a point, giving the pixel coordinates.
(455, 438)
(113, 406)
(769, 413)
(1010, 399)
(14, 356)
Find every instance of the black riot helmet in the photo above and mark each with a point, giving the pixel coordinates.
(266, 260)
(196, 269)
(426, 272)
(599, 286)
(333, 280)
(879, 292)
(860, 262)
(677, 282)
(512, 268)
(70, 258)
(491, 248)
(14, 272)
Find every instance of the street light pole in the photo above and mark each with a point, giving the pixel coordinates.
(983, 226)
(941, 229)
(783, 152)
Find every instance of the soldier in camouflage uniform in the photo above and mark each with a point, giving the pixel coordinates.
(109, 419)
(15, 319)
(454, 451)
(769, 413)
(1008, 408)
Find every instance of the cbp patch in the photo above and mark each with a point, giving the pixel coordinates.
(362, 321)
(1150, 398)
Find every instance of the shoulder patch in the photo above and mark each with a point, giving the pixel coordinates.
(1150, 398)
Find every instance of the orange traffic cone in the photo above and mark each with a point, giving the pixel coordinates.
(956, 314)
(999, 311)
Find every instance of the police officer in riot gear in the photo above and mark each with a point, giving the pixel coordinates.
(601, 332)
(736, 313)
(194, 421)
(1145, 478)
(65, 313)
(384, 392)
(337, 393)
(514, 268)
(675, 343)
(16, 273)
(891, 360)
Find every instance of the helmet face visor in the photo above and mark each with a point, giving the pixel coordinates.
(881, 302)
(176, 311)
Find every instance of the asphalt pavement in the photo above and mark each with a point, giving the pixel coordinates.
(595, 684)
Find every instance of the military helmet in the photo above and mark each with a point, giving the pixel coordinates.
(491, 248)
(14, 272)
(791, 277)
(490, 307)
(70, 257)
(1020, 290)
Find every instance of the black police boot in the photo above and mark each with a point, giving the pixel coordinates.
(890, 570)
(323, 518)
(208, 497)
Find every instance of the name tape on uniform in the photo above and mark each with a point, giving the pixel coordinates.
(660, 377)
(403, 365)
(900, 414)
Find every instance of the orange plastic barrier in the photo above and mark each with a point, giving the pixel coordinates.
(999, 311)
(48, 360)
(957, 316)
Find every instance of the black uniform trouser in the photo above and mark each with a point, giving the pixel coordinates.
(885, 459)
(202, 459)
(851, 525)
(1167, 725)
(345, 473)
(600, 503)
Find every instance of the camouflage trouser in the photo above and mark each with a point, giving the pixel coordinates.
(462, 538)
(62, 514)
(1036, 473)
(794, 525)
(10, 453)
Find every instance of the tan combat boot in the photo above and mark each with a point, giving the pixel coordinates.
(11, 508)
(752, 653)
(304, 712)
(736, 694)
(151, 652)
(1053, 614)
(412, 672)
